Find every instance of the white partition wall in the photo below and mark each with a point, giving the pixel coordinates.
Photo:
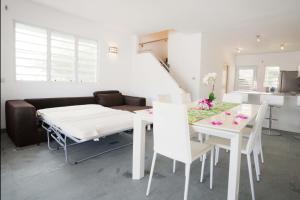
(184, 57)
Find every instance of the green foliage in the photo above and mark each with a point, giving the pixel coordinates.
(211, 96)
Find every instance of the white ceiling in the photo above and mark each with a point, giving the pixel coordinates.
(236, 21)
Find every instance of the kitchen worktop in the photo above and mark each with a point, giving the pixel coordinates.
(270, 93)
(288, 115)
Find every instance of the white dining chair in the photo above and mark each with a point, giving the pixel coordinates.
(274, 101)
(247, 132)
(234, 97)
(185, 98)
(166, 98)
(171, 131)
(249, 145)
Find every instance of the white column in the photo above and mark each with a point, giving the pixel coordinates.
(234, 167)
(138, 155)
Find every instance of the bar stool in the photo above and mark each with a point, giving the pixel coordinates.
(274, 101)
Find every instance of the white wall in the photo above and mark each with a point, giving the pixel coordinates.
(285, 60)
(151, 79)
(214, 59)
(113, 73)
(184, 57)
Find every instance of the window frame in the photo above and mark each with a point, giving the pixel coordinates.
(49, 31)
(254, 68)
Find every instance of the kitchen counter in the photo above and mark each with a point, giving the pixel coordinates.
(270, 93)
(288, 115)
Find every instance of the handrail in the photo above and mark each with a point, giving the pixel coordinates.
(158, 58)
(152, 41)
(166, 68)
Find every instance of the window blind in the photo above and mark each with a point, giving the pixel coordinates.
(62, 57)
(246, 78)
(30, 53)
(271, 76)
(45, 55)
(87, 60)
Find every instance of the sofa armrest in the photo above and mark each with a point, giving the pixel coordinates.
(134, 101)
(21, 122)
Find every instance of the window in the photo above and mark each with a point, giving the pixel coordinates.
(62, 57)
(31, 53)
(246, 78)
(87, 60)
(44, 55)
(272, 76)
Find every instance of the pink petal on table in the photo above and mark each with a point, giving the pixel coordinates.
(216, 123)
(241, 116)
(235, 122)
(227, 113)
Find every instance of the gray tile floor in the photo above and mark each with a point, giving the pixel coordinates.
(34, 172)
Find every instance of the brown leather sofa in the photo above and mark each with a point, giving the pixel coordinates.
(24, 128)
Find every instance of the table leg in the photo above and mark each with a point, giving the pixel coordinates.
(234, 167)
(138, 154)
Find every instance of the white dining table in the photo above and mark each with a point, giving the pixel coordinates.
(228, 129)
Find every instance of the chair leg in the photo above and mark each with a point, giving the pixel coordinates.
(211, 169)
(151, 173)
(256, 163)
(174, 166)
(261, 152)
(250, 176)
(202, 167)
(187, 179)
(217, 155)
(201, 139)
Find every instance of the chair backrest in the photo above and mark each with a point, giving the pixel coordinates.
(166, 98)
(233, 98)
(257, 128)
(186, 98)
(171, 131)
(276, 100)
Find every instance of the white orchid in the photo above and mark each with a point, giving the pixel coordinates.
(210, 78)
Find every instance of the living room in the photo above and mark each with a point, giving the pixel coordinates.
(115, 60)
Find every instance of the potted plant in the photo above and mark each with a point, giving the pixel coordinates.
(209, 80)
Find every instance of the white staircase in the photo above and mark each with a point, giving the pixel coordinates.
(152, 77)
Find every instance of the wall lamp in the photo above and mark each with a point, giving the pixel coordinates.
(113, 50)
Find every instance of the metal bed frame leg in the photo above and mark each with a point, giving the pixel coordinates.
(66, 149)
(62, 142)
(48, 142)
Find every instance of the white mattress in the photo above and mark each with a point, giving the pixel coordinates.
(86, 122)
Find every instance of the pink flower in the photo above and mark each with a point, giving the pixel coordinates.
(205, 104)
(241, 116)
(216, 123)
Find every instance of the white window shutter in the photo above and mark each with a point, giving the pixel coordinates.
(246, 78)
(272, 76)
(42, 55)
(30, 53)
(87, 60)
(62, 57)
